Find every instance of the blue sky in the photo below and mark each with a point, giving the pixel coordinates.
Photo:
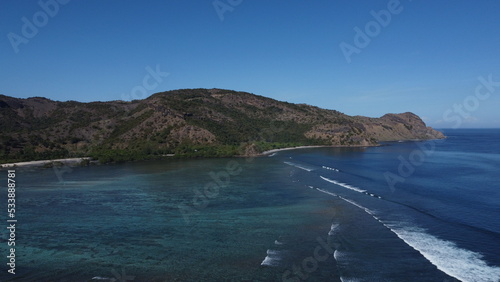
(426, 58)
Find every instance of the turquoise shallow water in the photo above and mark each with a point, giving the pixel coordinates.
(100, 221)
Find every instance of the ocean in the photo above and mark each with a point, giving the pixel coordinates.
(403, 211)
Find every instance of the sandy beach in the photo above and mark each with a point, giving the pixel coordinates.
(291, 148)
(269, 152)
(69, 161)
(77, 161)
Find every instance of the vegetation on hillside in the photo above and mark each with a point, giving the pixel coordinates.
(186, 123)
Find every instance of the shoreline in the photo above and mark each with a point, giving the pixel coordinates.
(67, 161)
(78, 161)
(268, 152)
(380, 143)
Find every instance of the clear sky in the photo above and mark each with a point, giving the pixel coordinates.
(426, 58)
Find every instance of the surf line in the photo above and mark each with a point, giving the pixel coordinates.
(298, 166)
(321, 253)
(463, 264)
(330, 168)
(350, 187)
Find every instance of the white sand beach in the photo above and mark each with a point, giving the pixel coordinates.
(291, 148)
(69, 161)
(269, 152)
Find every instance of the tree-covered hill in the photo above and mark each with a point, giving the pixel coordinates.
(187, 123)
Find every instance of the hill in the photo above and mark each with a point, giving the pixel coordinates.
(187, 123)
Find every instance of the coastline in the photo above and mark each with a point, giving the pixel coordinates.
(268, 152)
(67, 161)
(79, 161)
(381, 143)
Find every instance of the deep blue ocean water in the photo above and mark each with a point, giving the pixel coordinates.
(404, 211)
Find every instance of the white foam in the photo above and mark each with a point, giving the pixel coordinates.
(343, 279)
(298, 166)
(276, 242)
(349, 201)
(269, 261)
(343, 185)
(272, 155)
(462, 264)
(336, 255)
(357, 205)
(272, 252)
(327, 192)
(273, 258)
(332, 228)
(330, 168)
